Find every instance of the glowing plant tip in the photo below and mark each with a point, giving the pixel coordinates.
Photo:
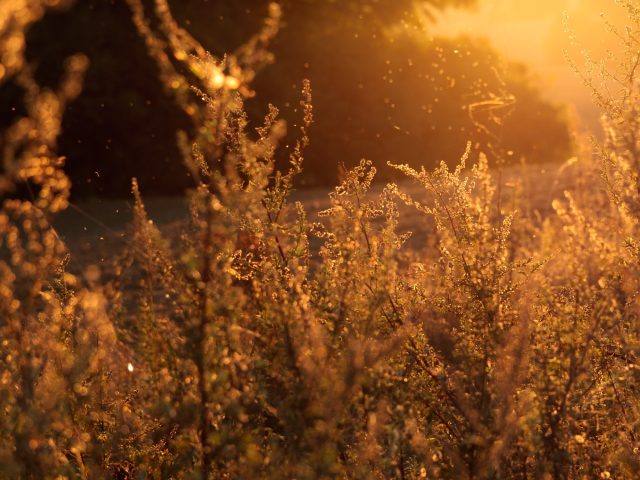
(232, 83)
(130, 367)
(274, 9)
(217, 78)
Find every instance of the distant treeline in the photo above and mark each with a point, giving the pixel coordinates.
(383, 90)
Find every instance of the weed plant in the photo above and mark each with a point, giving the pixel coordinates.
(260, 344)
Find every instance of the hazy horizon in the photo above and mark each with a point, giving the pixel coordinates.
(535, 34)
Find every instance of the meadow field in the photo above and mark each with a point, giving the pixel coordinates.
(476, 319)
(96, 229)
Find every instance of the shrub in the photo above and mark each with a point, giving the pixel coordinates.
(259, 344)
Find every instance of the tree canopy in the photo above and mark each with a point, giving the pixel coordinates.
(383, 89)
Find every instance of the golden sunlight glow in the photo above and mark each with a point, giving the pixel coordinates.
(217, 78)
(296, 311)
(536, 33)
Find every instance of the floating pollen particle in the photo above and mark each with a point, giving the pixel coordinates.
(130, 367)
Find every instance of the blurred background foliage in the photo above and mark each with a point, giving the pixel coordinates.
(383, 89)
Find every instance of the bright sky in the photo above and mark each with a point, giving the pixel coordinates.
(533, 31)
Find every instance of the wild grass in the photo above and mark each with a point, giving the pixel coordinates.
(508, 349)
